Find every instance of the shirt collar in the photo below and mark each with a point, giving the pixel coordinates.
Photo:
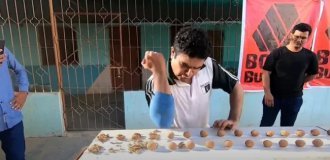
(171, 77)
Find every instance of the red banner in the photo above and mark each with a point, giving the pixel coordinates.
(266, 27)
(322, 48)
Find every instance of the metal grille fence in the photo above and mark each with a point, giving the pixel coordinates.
(90, 50)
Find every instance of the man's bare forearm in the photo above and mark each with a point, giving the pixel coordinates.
(161, 83)
(266, 81)
(236, 103)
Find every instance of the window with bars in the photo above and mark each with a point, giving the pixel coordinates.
(67, 45)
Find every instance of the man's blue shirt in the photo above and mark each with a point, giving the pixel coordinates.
(9, 117)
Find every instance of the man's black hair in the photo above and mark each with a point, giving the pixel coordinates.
(302, 27)
(193, 42)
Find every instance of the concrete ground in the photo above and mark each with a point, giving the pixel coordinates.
(57, 148)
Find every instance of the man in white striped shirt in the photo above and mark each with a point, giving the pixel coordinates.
(179, 96)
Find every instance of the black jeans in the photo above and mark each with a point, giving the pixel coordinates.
(13, 142)
(289, 110)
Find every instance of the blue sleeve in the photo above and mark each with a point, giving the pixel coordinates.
(20, 72)
(162, 110)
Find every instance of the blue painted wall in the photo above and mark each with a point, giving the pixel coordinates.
(315, 109)
(46, 77)
(155, 37)
(93, 44)
(136, 110)
(231, 41)
(94, 51)
(43, 115)
(22, 40)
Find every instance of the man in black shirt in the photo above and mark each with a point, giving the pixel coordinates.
(285, 71)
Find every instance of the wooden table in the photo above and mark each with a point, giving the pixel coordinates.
(114, 149)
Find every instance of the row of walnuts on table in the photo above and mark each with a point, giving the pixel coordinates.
(138, 144)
